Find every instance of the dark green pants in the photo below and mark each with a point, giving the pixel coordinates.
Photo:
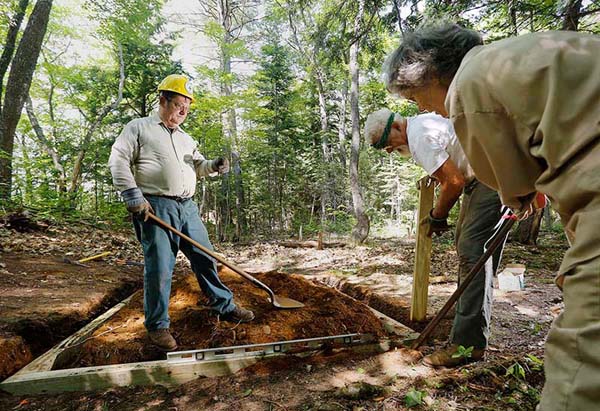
(479, 219)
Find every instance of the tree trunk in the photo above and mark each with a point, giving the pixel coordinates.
(361, 230)
(17, 88)
(28, 186)
(572, 15)
(326, 188)
(229, 122)
(11, 40)
(39, 133)
(512, 13)
(398, 8)
(342, 124)
(240, 200)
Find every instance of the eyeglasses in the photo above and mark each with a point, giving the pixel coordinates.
(180, 106)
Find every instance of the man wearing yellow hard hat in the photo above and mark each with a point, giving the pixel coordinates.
(154, 163)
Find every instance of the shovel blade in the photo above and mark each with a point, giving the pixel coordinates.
(284, 302)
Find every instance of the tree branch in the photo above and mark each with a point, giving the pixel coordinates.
(48, 148)
(75, 178)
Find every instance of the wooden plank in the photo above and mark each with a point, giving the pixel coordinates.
(121, 375)
(46, 361)
(143, 373)
(394, 327)
(418, 306)
(38, 378)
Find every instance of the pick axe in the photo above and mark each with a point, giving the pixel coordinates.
(498, 239)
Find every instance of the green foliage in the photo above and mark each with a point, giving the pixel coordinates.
(535, 363)
(136, 28)
(517, 389)
(276, 146)
(294, 169)
(414, 398)
(516, 371)
(462, 352)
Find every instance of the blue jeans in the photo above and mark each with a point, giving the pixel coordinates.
(160, 248)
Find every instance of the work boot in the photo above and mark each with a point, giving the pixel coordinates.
(238, 315)
(444, 357)
(162, 339)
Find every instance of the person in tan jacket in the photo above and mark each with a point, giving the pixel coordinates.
(526, 111)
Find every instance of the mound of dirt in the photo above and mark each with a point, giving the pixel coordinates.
(327, 312)
(15, 354)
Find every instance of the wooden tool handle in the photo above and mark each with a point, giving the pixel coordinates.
(104, 254)
(209, 252)
(499, 239)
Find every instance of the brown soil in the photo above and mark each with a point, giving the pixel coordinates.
(380, 273)
(14, 354)
(44, 300)
(122, 339)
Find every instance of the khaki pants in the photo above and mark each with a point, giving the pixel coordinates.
(572, 358)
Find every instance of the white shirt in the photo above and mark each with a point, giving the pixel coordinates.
(432, 140)
(149, 156)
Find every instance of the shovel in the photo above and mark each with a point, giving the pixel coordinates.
(277, 300)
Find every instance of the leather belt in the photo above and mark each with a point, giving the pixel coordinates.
(174, 198)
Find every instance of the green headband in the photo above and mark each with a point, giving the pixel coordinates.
(386, 133)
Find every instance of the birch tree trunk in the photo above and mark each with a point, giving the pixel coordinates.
(326, 152)
(342, 125)
(361, 229)
(229, 121)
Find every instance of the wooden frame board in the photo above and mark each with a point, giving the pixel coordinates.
(38, 377)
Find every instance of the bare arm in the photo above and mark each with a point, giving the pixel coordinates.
(452, 183)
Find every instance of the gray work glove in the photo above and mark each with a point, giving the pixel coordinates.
(436, 225)
(221, 165)
(137, 205)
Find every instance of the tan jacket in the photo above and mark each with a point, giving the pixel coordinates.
(527, 113)
(147, 155)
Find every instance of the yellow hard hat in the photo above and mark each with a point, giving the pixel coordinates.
(177, 83)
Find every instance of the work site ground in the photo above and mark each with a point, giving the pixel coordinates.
(47, 295)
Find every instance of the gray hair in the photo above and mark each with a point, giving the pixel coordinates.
(430, 51)
(376, 122)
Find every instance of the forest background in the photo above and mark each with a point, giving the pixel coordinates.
(282, 89)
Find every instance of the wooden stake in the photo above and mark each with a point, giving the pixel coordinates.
(418, 306)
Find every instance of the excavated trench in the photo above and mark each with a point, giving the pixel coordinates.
(45, 299)
(329, 310)
(122, 338)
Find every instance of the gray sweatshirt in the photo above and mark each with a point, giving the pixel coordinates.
(149, 156)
